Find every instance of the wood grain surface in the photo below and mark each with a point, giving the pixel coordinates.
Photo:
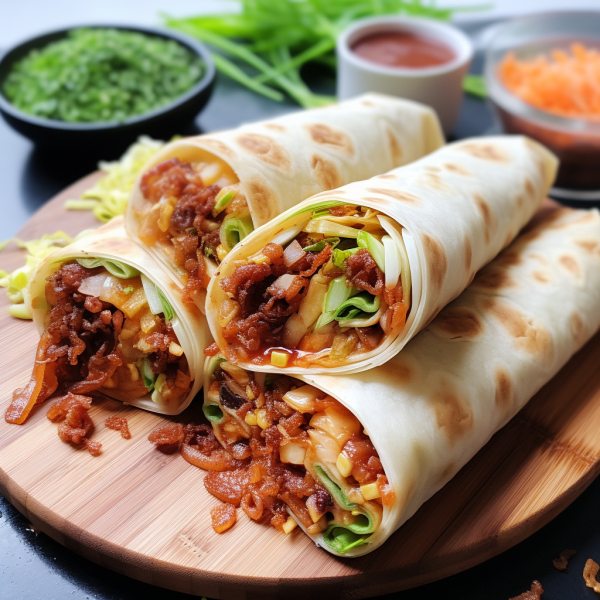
(146, 515)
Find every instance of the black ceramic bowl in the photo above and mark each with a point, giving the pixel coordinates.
(77, 138)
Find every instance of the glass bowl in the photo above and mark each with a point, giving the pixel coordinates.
(576, 142)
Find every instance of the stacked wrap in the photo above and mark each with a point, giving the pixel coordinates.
(458, 207)
(283, 161)
(111, 241)
(431, 408)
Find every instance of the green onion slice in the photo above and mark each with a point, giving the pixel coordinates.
(167, 309)
(317, 207)
(340, 256)
(235, 229)
(331, 229)
(223, 202)
(148, 377)
(213, 412)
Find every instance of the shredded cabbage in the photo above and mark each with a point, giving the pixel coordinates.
(37, 250)
(108, 198)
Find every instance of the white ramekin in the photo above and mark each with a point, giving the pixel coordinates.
(439, 86)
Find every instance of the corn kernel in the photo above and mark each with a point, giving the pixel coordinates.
(289, 525)
(160, 381)
(261, 419)
(221, 252)
(166, 210)
(370, 491)
(133, 371)
(259, 259)
(344, 465)
(250, 393)
(250, 418)
(175, 349)
(279, 359)
(110, 383)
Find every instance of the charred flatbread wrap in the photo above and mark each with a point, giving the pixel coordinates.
(201, 195)
(112, 320)
(344, 280)
(353, 457)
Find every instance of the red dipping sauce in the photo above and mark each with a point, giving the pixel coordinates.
(401, 49)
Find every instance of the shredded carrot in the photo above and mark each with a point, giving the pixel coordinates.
(564, 83)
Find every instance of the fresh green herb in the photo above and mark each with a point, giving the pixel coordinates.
(114, 267)
(337, 293)
(128, 289)
(213, 412)
(100, 75)
(166, 305)
(320, 245)
(320, 206)
(274, 40)
(475, 85)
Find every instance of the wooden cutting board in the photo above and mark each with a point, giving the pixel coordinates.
(146, 515)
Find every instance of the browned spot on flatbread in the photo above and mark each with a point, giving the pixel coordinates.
(453, 417)
(579, 329)
(397, 372)
(324, 134)
(483, 151)
(367, 103)
(486, 214)
(266, 149)
(520, 201)
(447, 473)
(542, 276)
(493, 278)
(528, 335)
(387, 176)
(504, 389)
(396, 195)
(468, 254)
(434, 181)
(587, 245)
(510, 236)
(325, 172)
(275, 127)
(510, 258)
(218, 146)
(263, 200)
(457, 169)
(395, 148)
(529, 187)
(570, 264)
(458, 322)
(432, 169)
(437, 260)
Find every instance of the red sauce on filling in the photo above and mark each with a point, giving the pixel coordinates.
(400, 49)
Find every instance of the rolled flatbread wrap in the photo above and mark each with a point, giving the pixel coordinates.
(200, 196)
(355, 456)
(343, 281)
(112, 320)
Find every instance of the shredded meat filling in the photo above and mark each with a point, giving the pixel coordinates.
(363, 273)
(119, 424)
(191, 230)
(75, 423)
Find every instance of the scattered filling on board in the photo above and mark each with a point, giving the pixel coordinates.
(533, 594)
(100, 75)
(562, 560)
(590, 570)
(75, 423)
(109, 328)
(197, 212)
(286, 452)
(323, 291)
(565, 83)
(119, 424)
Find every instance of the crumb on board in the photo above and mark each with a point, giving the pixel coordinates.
(590, 570)
(562, 560)
(533, 594)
